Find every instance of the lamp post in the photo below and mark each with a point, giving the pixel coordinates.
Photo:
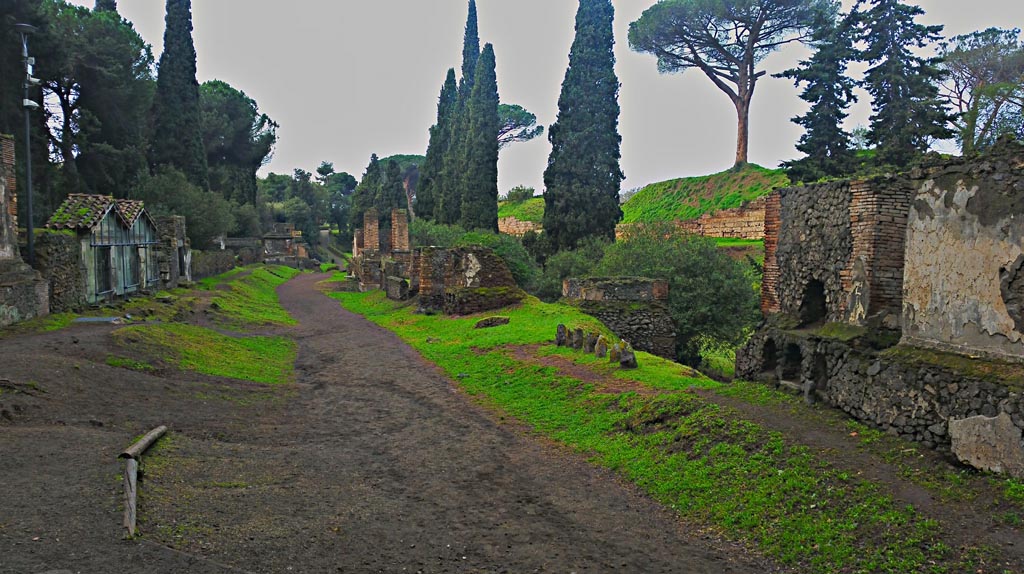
(25, 30)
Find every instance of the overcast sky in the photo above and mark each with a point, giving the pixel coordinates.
(347, 78)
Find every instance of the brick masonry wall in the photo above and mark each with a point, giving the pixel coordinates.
(744, 222)
(465, 280)
(770, 278)
(210, 263)
(400, 230)
(7, 157)
(371, 230)
(513, 226)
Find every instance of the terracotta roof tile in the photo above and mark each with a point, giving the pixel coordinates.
(130, 209)
(80, 211)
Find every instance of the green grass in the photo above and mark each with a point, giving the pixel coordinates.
(130, 364)
(531, 210)
(210, 283)
(267, 360)
(735, 242)
(693, 455)
(252, 299)
(691, 197)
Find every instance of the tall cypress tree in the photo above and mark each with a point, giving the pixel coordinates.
(365, 195)
(449, 208)
(830, 92)
(432, 179)
(392, 192)
(583, 173)
(907, 111)
(480, 187)
(177, 139)
(106, 6)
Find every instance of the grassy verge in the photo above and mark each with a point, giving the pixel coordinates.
(251, 300)
(701, 459)
(531, 210)
(267, 360)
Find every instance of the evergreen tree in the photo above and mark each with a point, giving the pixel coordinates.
(470, 52)
(432, 179)
(366, 192)
(480, 187)
(583, 173)
(903, 86)
(106, 6)
(449, 201)
(391, 193)
(177, 139)
(830, 92)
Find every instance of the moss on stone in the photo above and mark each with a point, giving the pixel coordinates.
(988, 370)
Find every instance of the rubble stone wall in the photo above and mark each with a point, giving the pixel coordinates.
(59, 261)
(632, 307)
(513, 226)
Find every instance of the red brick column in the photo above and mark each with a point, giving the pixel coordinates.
(371, 230)
(399, 230)
(770, 281)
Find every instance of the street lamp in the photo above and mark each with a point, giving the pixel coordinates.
(25, 30)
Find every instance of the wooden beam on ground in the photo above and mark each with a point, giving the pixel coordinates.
(136, 450)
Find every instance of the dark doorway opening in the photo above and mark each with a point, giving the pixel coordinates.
(792, 364)
(1012, 287)
(813, 308)
(769, 360)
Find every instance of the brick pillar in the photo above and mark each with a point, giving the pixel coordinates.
(371, 230)
(878, 223)
(7, 167)
(357, 243)
(770, 281)
(399, 230)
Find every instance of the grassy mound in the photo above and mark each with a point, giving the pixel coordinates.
(530, 210)
(691, 197)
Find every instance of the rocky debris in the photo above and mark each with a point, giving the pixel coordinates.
(989, 443)
(601, 347)
(490, 322)
(627, 359)
(562, 336)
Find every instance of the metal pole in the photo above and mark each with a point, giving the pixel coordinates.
(28, 158)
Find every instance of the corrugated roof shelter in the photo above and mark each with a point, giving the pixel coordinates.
(119, 243)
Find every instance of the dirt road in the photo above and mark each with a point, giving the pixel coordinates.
(374, 462)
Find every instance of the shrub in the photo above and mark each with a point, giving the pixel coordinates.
(519, 194)
(711, 296)
(578, 262)
(207, 214)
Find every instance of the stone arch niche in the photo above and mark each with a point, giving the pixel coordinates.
(813, 306)
(792, 367)
(769, 360)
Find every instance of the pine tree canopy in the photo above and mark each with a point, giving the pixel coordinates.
(480, 188)
(106, 6)
(583, 173)
(177, 139)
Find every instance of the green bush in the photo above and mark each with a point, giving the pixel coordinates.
(207, 214)
(711, 296)
(578, 262)
(519, 194)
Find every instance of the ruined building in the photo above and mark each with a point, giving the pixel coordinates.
(23, 293)
(634, 308)
(901, 301)
(456, 281)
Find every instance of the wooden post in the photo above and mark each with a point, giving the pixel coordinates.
(131, 477)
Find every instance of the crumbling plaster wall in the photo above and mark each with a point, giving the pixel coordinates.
(962, 289)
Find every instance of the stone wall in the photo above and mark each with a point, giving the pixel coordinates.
(909, 392)
(209, 263)
(744, 222)
(59, 261)
(633, 308)
(513, 226)
(465, 280)
(964, 285)
(174, 252)
(8, 201)
(834, 251)
(400, 231)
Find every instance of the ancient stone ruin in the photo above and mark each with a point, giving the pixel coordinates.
(744, 222)
(457, 281)
(931, 260)
(634, 308)
(23, 293)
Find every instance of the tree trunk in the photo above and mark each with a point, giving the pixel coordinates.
(742, 129)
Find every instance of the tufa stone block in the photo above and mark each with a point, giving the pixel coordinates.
(989, 443)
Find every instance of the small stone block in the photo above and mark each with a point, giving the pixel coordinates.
(627, 360)
(589, 341)
(615, 353)
(562, 336)
(576, 341)
(491, 322)
(601, 347)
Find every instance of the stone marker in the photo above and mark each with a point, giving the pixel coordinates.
(561, 336)
(589, 340)
(601, 347)
(492, 322)
(615, 353)
(986, 443)
(627, 360)
(577, 339)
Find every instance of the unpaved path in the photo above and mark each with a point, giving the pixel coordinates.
(374, 462)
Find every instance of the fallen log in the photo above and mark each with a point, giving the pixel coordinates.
(131, 476)
(135, 451)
